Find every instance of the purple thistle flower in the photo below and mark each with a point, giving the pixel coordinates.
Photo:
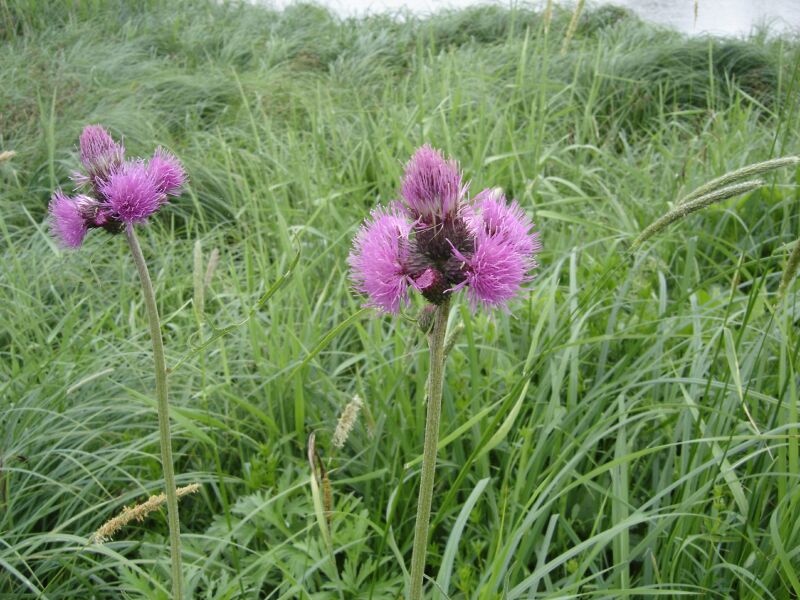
(66, 219)
(132, 193)
(438, 241)
(120, 193)
(167, 172)
(494, 272)
(432, 186)
(99, 153)
(508, 221)
(378, 260)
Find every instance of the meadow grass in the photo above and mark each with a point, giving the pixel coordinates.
(597, 442)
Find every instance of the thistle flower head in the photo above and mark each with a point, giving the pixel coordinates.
(167, 172)
(132, 193)
(66, 220)
(120, 192)
(494, 272)
(432, 186)
(100, 154)
(507, 221)
(439, 241)
(379, 259)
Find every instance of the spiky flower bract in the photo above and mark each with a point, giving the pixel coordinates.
(437, 241)
(119, 192)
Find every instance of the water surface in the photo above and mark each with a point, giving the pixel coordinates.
(725, 17)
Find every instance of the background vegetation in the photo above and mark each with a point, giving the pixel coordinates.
(598, 443)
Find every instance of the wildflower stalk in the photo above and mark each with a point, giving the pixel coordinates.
(163, 411)
(435, 383)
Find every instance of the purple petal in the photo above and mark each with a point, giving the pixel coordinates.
(167, 172)
(377, 261)
(132, 193)
(508, 221)
(495, 271)
(426, 280)
(66, 219)
(505, 249)
(432, 186)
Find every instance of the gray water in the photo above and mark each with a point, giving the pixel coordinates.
(724, 17)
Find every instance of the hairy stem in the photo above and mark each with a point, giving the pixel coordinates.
(163, 412)
(435, 382)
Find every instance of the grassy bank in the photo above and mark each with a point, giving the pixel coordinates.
(600, 445)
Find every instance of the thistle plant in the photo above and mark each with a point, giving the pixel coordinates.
(436, 240)
(115, 195)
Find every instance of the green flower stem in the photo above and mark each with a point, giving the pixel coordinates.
(435, 382)
(163, 412)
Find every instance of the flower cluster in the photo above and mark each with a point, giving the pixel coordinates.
(116, 192)
(437, 240)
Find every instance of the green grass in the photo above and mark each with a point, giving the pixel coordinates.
(597, 445)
